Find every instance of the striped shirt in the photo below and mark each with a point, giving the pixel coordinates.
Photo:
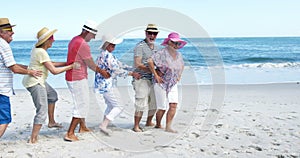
(145, 52)
(6, 75)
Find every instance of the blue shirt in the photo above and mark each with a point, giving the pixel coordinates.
(110, 63)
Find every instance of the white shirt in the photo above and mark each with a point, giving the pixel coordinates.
(6, 75)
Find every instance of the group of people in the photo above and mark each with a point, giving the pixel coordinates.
(155, 72)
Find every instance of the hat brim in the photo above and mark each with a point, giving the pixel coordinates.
(183, 43)
(46, 38)
(151, 30)
(114, 41)
(7, 26)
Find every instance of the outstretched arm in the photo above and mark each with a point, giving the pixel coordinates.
(91, 64)
(152, 69)
(22, 69)
(56, 70)
(138, 64)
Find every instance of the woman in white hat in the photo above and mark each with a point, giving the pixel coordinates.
(170, 63)
(43, 95)
(107, 87)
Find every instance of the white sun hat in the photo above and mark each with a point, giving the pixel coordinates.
(90, 26)
(110, 39)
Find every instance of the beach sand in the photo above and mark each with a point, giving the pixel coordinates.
(251, 121)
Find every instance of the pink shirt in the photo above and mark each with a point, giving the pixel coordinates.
(170, 67)
(78, 50)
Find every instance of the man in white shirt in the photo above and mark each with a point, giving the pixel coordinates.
(8, 66)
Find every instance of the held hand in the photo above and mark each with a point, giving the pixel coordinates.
(136, 75)
(158, 79)
(76, 65)
(105, 74)
(159, 73)
(35, 73)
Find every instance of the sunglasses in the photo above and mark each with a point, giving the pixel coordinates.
(8, 29)
(176, 43)
(152, 33)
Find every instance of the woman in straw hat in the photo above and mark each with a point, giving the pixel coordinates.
(170, 63)
(43, 95)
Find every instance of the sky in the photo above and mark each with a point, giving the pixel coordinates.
(219, 18)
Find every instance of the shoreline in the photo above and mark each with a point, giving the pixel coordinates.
(260, 120)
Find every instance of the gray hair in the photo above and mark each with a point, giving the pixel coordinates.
(105, 45)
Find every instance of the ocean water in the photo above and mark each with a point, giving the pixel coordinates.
(238, 60)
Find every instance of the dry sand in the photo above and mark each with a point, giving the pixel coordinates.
(251, 121)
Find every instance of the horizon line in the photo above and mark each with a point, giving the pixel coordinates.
(183, 37)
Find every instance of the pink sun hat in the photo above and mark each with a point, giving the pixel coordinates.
(175, 38)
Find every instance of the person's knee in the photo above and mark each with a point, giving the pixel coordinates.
(173, 105)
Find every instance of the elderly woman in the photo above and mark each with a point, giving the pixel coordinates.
(170, 63)
(43, 95)
(108, 87)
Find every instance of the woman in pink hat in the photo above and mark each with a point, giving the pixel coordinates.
(170, 63)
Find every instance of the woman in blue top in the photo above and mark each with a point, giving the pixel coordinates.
(108, 87)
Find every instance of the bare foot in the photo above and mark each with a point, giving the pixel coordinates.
(158, 126)
(171, 130)
(70, 138)
(150, 124)
(32, 141)
(54, 125)
(104, 130)
(137, 129)
(84, 130)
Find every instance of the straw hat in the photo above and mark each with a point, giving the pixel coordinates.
(110, 39)
(43, 35)
(4, 23)
(90, 26)
(151, 28)
(173, 36)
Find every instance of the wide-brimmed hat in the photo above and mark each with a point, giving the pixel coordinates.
(175, 38)
(151, 28)
(4, 23)
(90, 26)
(110, 39)
(43, 35)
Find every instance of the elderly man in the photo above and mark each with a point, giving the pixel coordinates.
(144, 93)
(77, 79)
(8, 66)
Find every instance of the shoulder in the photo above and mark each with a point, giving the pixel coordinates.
(4, 44)
(162, 51)
(39, 51)
(179, 54)
(77, 40)
(141, 44)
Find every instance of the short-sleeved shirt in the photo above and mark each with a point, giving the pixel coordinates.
(116, 68)
(78, 50)
(38, 57)
(143, 50)
(170, 67)
(6, 75)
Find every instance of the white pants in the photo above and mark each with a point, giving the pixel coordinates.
(162, 98)
(80, 94)
(113, 101)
